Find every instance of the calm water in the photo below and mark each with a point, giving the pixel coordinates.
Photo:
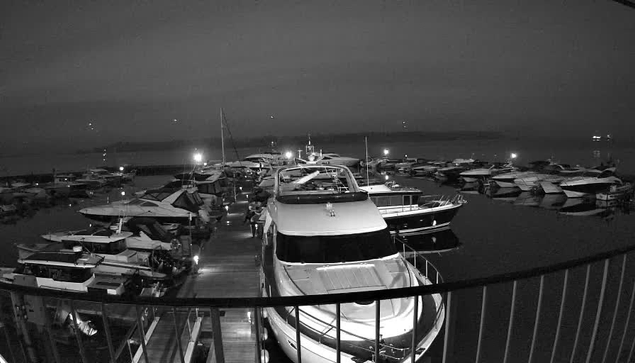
(496, 235)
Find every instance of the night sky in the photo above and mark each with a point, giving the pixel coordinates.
(108, 71)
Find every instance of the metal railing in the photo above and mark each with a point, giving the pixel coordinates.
(579, 310)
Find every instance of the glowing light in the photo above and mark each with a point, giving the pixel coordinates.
(195, 258)
(226, 207)
(386, 152)
(121, 168)
(198, 157)
(288, 154)
(514, 155)
(386, 177)
(123, 193)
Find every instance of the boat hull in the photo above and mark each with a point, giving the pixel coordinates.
(420, 220)
(324, 351)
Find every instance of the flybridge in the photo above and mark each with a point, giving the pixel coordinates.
(312, 184)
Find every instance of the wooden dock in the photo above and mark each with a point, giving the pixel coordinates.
(228, 267)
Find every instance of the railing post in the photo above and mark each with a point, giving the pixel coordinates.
(78, 336)
(599, 310)
(482, 323)
(533, 339)
(560, 314)
(142, 334)
(446, 335)
(219, 352)
(259, 343)
(377, 328)
(584, 293)
(177, 335)
(338, 331)
(511, 321)
(628, 319)
(617, 305)
(415, 316)
(297, 334)
(111, 349)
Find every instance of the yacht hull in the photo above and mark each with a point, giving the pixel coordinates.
(324, 351)
(419, 220)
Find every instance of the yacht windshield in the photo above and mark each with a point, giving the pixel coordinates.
(332, 249)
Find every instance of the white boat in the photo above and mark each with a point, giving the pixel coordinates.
(531, 181)
(123, 253)
(476, 174)
(408, 210)
(325, 236)
(71, 271)
(581, 186)
(616, 192)
(166, 205)
(140, 234)
(336, 159)
(507, 180)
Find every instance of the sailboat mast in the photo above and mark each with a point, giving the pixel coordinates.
(366, 161)
(222, 136)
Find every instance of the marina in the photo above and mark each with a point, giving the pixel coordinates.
(230, 260)
(308, 182)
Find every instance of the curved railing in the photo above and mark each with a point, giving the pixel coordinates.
(594, 330)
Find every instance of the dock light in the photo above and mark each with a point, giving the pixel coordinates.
(198, 157)
(121, 168)
(386, 152)
(514, 155)
(195, 258)
(288, 155)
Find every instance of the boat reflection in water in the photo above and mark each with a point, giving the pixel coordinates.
(582, 207)
(440, 241)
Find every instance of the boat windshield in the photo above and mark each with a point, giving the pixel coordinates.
(333, 249)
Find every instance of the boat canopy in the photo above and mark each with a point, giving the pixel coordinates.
(150, 227)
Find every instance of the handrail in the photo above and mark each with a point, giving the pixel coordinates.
(251, 302)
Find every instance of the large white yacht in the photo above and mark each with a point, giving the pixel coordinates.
(325, 236)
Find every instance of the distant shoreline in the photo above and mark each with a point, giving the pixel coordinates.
(299, 139)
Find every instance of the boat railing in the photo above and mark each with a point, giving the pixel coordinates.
(420, 263)
(437, 200)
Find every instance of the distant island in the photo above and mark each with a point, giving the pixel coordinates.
(300, 139)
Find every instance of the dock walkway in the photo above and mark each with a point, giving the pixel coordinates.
(228, 267)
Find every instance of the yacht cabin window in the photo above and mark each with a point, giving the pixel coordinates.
(334, 249)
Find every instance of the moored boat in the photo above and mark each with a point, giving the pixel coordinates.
(408, 210)
(323, 235)
(616, 192)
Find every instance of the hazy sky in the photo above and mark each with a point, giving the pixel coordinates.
(105, 71)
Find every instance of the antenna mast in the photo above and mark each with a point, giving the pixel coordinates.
(222, 136)
(366, 161)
